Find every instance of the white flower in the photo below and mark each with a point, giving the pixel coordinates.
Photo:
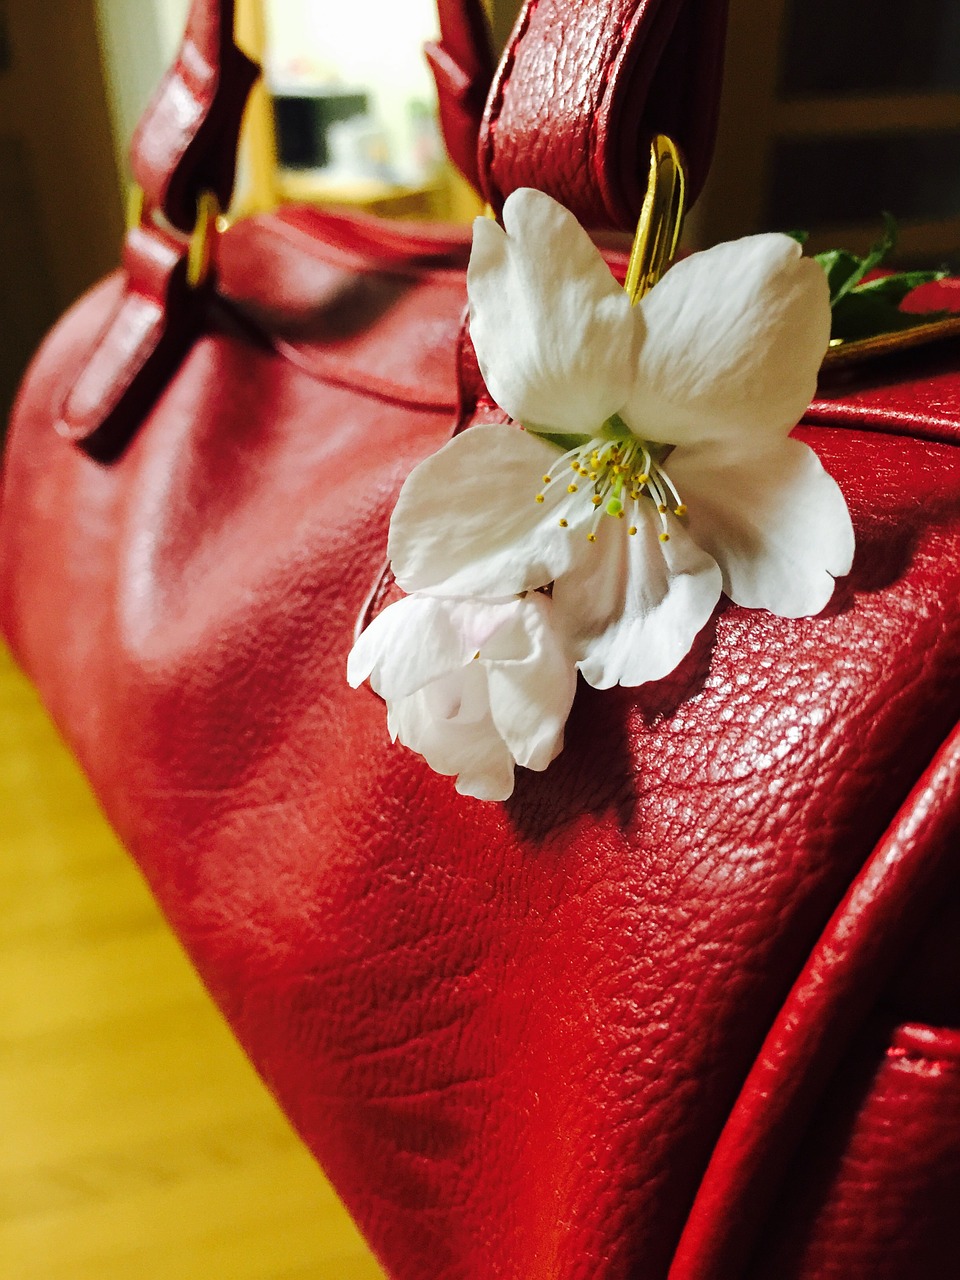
(678, 477)
(474, 686)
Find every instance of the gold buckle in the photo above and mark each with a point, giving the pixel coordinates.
(203, 238)
(209, 223)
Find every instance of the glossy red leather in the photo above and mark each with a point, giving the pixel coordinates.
(540, 1038)
(184, 146)
(582, 89)
(870, 950)
(883, 1158)
(579, 93)
(619, 1028)
(153, 323)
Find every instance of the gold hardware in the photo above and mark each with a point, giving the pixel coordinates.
(211, 222)
(134, 206)
(200, 253)
(661, 219)
(843, 352)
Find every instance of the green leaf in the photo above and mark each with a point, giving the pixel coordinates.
(864, 310)
(875, 258)
(865, 313)
(885, 245)
(840, 266)
(896, 287)
(801, 237)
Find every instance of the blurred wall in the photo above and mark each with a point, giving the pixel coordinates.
(61, 214)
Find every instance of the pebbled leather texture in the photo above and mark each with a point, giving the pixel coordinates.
(622, 1026)
(582, 89)
(874, 942)
(572, 1034)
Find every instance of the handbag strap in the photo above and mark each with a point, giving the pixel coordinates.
(583, 88)
(579, 93)
(186, 142)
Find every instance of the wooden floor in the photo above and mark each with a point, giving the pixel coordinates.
(135, 1141)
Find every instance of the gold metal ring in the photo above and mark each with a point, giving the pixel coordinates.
(661, 219)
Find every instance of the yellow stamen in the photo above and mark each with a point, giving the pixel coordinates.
(546, 479)
(681, 510)
(661, 507)
(591, 537)
(632, 530)
(664, 537)
(571, 488)
(596, 499)
(539, 497)
(563, 524)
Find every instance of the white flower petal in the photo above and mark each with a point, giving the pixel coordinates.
(554, 333)
(532, 682)
(467, 522)
(775, 522)
(410, 644)
(459, 744)
(634, 616)
(735, 337)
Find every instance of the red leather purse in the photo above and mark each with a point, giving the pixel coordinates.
(687, 1005)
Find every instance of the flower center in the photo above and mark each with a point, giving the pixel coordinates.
(616, 475)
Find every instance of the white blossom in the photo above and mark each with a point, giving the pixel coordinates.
(669, 474)
(474, 686)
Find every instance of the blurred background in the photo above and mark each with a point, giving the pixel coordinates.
(137, 1142)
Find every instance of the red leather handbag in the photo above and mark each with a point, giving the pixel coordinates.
(688, 1004)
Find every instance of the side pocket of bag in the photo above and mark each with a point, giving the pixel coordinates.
(873, 1192)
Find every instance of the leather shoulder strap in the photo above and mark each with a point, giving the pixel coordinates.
(186, 142)
(185, 146)
(582, 89)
